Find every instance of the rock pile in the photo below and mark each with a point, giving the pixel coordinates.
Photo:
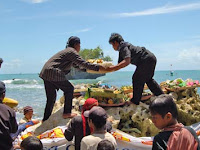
(133, 119)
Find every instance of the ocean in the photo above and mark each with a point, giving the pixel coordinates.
(28, 89)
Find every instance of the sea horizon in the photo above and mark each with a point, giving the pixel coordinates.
(28, 89)
(112, 72)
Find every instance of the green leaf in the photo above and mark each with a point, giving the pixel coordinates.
(87, 94)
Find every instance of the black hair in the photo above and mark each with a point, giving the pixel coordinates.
(1, 94)
(72, 41)
(105, 145)
(99, 122)
(115, 37)
(1, 60)
(31, 143)
(2, 88)
(162, 105)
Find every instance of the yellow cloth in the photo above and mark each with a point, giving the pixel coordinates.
(55, 133)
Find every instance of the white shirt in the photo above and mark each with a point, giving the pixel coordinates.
(91, 142)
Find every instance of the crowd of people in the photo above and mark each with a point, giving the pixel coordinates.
(91, 129)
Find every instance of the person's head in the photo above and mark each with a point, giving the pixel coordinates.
(2, 90)
(1, 61)
(28, 112)
(97, 118)
(163, 111)
(74, 42)
(89, 103)
(31, 143)
(115, 40)
(105, 145)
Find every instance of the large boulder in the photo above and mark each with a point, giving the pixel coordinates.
(56, 118)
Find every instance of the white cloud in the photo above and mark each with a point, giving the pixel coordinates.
(35, 1)
(152, 11)
(13, 65)
(161, 10)
(83, 30)
(184, 54)
(78, 31)
(197, 37)
(190, 55)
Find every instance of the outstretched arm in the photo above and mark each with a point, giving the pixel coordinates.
(120, 65)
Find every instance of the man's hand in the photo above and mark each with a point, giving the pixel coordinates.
(105, 70)
(101, 68)
(122, 64)
(110, 68)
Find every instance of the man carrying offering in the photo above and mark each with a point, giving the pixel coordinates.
(54, 71)
(145, 62)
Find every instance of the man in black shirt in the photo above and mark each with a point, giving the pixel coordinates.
(145, 62)
(79, 127)
(8, 123)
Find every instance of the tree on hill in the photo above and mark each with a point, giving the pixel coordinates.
(94, 54)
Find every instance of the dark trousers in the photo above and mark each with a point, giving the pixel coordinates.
(144, 74)
(51, 88)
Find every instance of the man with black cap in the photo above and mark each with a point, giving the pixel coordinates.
(97, 121)
(145, 62)
(78, 127)
(54, 72)
(8, 123)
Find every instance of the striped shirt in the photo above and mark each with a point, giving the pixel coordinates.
(60, 64)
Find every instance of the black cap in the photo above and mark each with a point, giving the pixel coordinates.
(2, 87)
(73, 40)
(97, 113)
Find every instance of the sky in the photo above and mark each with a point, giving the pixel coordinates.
(31, 31)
